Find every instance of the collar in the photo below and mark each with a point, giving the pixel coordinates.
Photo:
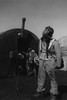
(51, 43)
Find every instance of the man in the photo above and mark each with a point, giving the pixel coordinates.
(49, 60)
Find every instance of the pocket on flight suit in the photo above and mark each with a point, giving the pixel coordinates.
(50, 64)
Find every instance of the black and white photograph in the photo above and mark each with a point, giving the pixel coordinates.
(33, 49)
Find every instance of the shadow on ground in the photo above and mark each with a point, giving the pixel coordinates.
(26, 88)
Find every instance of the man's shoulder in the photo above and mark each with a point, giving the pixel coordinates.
(56, 43)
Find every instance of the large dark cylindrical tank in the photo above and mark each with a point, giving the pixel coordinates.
(8, 42)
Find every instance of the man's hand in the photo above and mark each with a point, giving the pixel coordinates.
(36, 60)
(20, 55)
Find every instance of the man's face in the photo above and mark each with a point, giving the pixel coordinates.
(45, 35)
(45, 32)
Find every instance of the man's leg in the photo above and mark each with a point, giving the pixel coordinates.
(41, 77)
(54, 85)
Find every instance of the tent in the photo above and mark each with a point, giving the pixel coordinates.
(8, 42)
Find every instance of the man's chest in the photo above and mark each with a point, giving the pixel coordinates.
(48, 48)
(52, 50)
(43, 45)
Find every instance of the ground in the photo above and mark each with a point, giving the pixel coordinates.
(26, 88)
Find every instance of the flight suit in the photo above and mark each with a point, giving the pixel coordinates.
(48, 65)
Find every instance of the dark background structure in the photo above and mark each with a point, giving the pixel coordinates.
(8, 42)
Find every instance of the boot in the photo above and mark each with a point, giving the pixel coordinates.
(54, 97)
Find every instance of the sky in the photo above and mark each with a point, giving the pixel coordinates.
(38, 14)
